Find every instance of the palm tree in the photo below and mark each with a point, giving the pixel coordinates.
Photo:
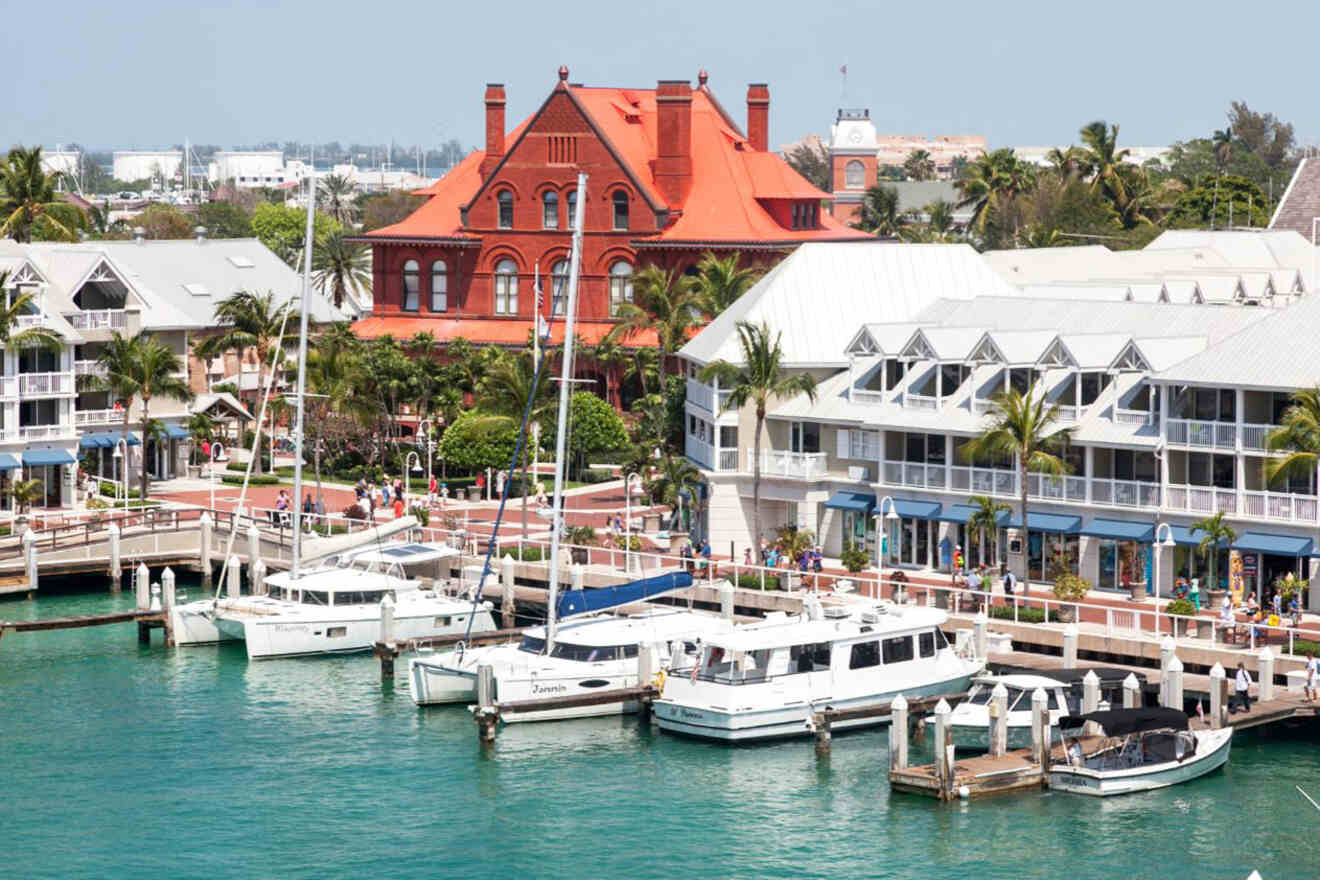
(250, 322)
(27, 195)
(337, 196)
(919, 165)
(880, 212)
(760, 377)
(720, 281)
(201, 428)
(664, 303)
(1069, 163)
(338, 265)
(331, 371)
(939, 216)
(992, 179)
(26, 493)
(11, 309)
(675, 477)
(1297, 436)
(1021, 425)
(984, 519)
(117, 375)
(1106, 160)
(157, 370)
(513, 388)
(1215, 534)
(1223, 145)
(613, 358)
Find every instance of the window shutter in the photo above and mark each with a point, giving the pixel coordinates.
(844, 450)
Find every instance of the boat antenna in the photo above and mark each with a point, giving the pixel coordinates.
(308, 243)
(565, 395)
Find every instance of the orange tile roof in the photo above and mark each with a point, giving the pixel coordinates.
(502, 331)
(728, 177)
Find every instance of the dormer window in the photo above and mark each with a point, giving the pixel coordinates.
(504, 203)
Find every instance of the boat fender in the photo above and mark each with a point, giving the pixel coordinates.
(660, 681)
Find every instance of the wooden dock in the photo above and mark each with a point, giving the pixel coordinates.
(977, 776)
(146, 621)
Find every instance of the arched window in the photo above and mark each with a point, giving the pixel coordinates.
(854, 175)
(505, 202)
(439, 287)
(621, 290)
(558, 287)
(620, 210)
(550, 210)
(572, 209)
(506, 288)
(411, 286)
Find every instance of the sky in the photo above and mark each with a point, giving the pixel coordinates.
(148, 74)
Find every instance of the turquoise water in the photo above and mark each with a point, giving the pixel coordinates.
(124, 761)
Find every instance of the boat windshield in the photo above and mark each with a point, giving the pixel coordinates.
(532, 645)
(592, 653)
(315, 597)
(361, 597)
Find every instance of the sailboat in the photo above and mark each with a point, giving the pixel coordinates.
(579, 650)
(335, 607)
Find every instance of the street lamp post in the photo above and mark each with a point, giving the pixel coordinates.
(415, 469)
(1155, 548)
(430, 443)
(627, 521)
(122, 457)
(216, 451)
(882, 538)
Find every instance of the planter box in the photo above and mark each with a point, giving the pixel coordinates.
(1067, 614)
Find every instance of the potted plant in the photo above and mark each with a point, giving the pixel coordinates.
(1127, 565)
(1069, 587)
(1179, 610)
(581, 537)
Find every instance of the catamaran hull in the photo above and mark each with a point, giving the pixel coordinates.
(195, 624)
(1103, 783)
(432, 685)
(270, 637)
(783, 721)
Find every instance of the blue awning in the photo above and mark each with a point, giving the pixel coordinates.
(39, 457)
(909, 509)
(106, 440)
(176, 432)
(858, 502)
(8, 462)
(1186, 536)
(1120, 530)
(961, 513)
(1280, 545)
(1047, 522)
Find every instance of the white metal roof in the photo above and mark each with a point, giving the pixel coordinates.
(1094, 351)
(819, 295)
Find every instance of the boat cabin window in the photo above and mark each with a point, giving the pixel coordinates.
(315, 597)
(926, 643)
(979, 695)
(808, 658)
(864, 654)
(898, 649)
(629, 652)
(532, 645)
(363, 597)
(586, 653)
(940, 641)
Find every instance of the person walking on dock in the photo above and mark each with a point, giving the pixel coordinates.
(1312, 684)
(1242, 687)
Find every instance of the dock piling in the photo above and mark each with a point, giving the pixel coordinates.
(206, 526)
(1218, 692)
(1091, 700)
(726, 600)
(821, 722)
(487, 717)
(944, 749)
(979, 640)
(647, 667)
(1070, 636)
(387, 620)
(168, 594)
(116, 571)
(254, 553)
(1167, 649)
(1040, 727)
(142, 585)
(1265, 674)
(258, 575)
(508, 609)
(233, 588)
(30, 559)
(898, 733)
(998, 710)
(1174, 697)
(1131, 692)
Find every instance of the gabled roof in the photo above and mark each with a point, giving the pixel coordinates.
(1100, 291)
(1022, 346)
(1094, 351)
(1163, 352)
(439, 216)
(943, 343)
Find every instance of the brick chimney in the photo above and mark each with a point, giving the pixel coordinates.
(673, 163)
(758, 116)
(494, 128)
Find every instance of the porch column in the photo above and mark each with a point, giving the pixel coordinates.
(1089, 458)
(1239, 401)
(939, 384)
(948, 458)
(1165, 390)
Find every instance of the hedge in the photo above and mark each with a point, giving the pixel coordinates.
(753, 582)
(255, 480)
(1024, 615)
(1302, 647)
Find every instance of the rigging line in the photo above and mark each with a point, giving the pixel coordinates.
(256, 449)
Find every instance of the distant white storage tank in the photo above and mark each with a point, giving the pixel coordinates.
(143, 164)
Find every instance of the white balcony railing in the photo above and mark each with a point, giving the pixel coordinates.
(99, 319)
(1202, 499)
(45, 383)
(1068, 412)
(704, 396)
(981, 405)
(1125, 493)
(44, 432)
(921, 401)
(789, 464)
(868, 398)
(1280, 506)
(25, 321)
(915, 474)
(1254, 436)
(1204, 435)
(1134, 417)
(699, 451)
(8, 386)
(88, 368)
(98, 417)
(984, 481)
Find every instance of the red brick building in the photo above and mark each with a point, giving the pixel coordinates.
(671, 175)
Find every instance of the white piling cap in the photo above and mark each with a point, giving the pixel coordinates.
(980, 618)
(1175, 665)
(899, 704)
(142, 569)
(1266, 653)
(387, 601)
(1071, 630)
(253, 530)
(1131, 683)
(232, 561)
(29, 537)
(943, 707)
(1091, 677)
(112, 530)
(964, 792)
(205, 519)
(1217, 671)
(167, 574)
(508, 558)
(999, 691)
(1039, 696)
(1167, 644)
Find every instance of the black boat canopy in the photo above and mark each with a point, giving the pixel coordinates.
(1121, 722)
(1108, 675)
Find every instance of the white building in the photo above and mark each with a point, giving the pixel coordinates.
(1169, 406)
(61, 162)
(253, 168)
(144, 164)
(1136, 155)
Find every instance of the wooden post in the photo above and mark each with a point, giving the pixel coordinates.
(1070, 635)
(1040, 728)
(387, 620)
(30, 559)
(167, 589)
(898, 733)
(116, 572)
(507, 606)
(1265, 674)
(726, 600)
(232, 585)
(648, 664)
(821, 721)
(943, 749)
(254, 553)
(1173, 698)
(979, 635)
(486, 715)
(998, 710)
(143, 595)
(1218, 689)
(579, 573)
(1131, 692)
(206, 527)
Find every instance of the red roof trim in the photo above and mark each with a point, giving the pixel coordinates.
(414, 239)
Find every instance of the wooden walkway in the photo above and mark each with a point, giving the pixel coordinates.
(146, 621)
(982, 775)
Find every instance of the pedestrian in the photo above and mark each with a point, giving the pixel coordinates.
(1295, 610)
(444, 493)
(1195, 593)
(816, 564)
(747, 556)
(308, 506)
(481, 485)
(618, 523)
(430, 492)
(1008, 578)
(499, 483)
(1242, 687)
(398, 506)
(974, 579)
(1276, 602)
(1312, 684)
(385, 494)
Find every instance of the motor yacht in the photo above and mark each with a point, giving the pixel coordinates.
(764, 680)
(970, 719)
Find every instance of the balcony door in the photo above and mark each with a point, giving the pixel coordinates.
(804, 437)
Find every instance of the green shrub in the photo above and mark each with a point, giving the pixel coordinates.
(753, 581)
(1180, 608)
(1302, 647)
(1069, 587)
(110, 491)
(636, 543)
(855, 557)
(1024, 615)
(241, 466)
(591, 475)
(476, 441)
(255, 480)
(527, 553)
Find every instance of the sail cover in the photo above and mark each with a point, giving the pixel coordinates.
(573, 602)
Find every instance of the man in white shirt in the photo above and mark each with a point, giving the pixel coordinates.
(1312, 676)
(1242, 687)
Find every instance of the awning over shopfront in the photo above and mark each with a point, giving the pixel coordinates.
(8, 462)
(1120, 530)
(910, 509)
(962, 513)
(857, 502)
(1279, 545)
(176, 432)
(1047, 522)
(40, 457)
(106, 441)
(1184, 536)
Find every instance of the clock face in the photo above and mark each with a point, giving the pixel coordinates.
(855, 137)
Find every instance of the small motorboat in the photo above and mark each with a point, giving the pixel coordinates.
(1138, 750)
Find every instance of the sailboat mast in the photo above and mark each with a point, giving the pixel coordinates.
(565, 391)
(308, 242)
